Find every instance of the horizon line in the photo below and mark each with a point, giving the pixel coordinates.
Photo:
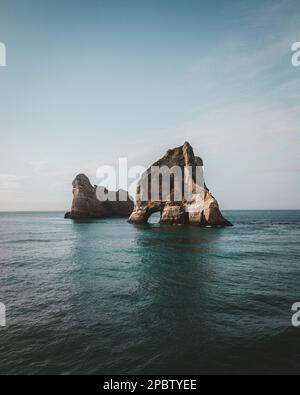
(231, 209)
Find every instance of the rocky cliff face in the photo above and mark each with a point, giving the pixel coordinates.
(198, 207)
(86, 204)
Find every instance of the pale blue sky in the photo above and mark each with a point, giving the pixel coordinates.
(88, 82)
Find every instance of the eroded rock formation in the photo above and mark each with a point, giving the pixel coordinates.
(86, 204)
(197, 208)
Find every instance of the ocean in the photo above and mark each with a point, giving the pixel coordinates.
(107, 297)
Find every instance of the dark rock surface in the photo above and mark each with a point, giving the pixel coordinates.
(86, 204)
(200, 209)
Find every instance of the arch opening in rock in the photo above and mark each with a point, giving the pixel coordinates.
(198, 208)
(154, 217)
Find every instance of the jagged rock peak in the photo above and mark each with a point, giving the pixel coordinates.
(199, 208)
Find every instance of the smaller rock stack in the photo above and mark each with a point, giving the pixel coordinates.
(86, 205)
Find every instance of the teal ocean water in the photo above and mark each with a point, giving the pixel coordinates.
(106, 297)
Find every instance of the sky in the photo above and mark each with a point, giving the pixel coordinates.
(88, 82)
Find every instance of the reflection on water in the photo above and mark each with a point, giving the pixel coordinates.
(109, 297)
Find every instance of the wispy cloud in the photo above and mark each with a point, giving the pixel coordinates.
(230, 89)
(10, 182)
